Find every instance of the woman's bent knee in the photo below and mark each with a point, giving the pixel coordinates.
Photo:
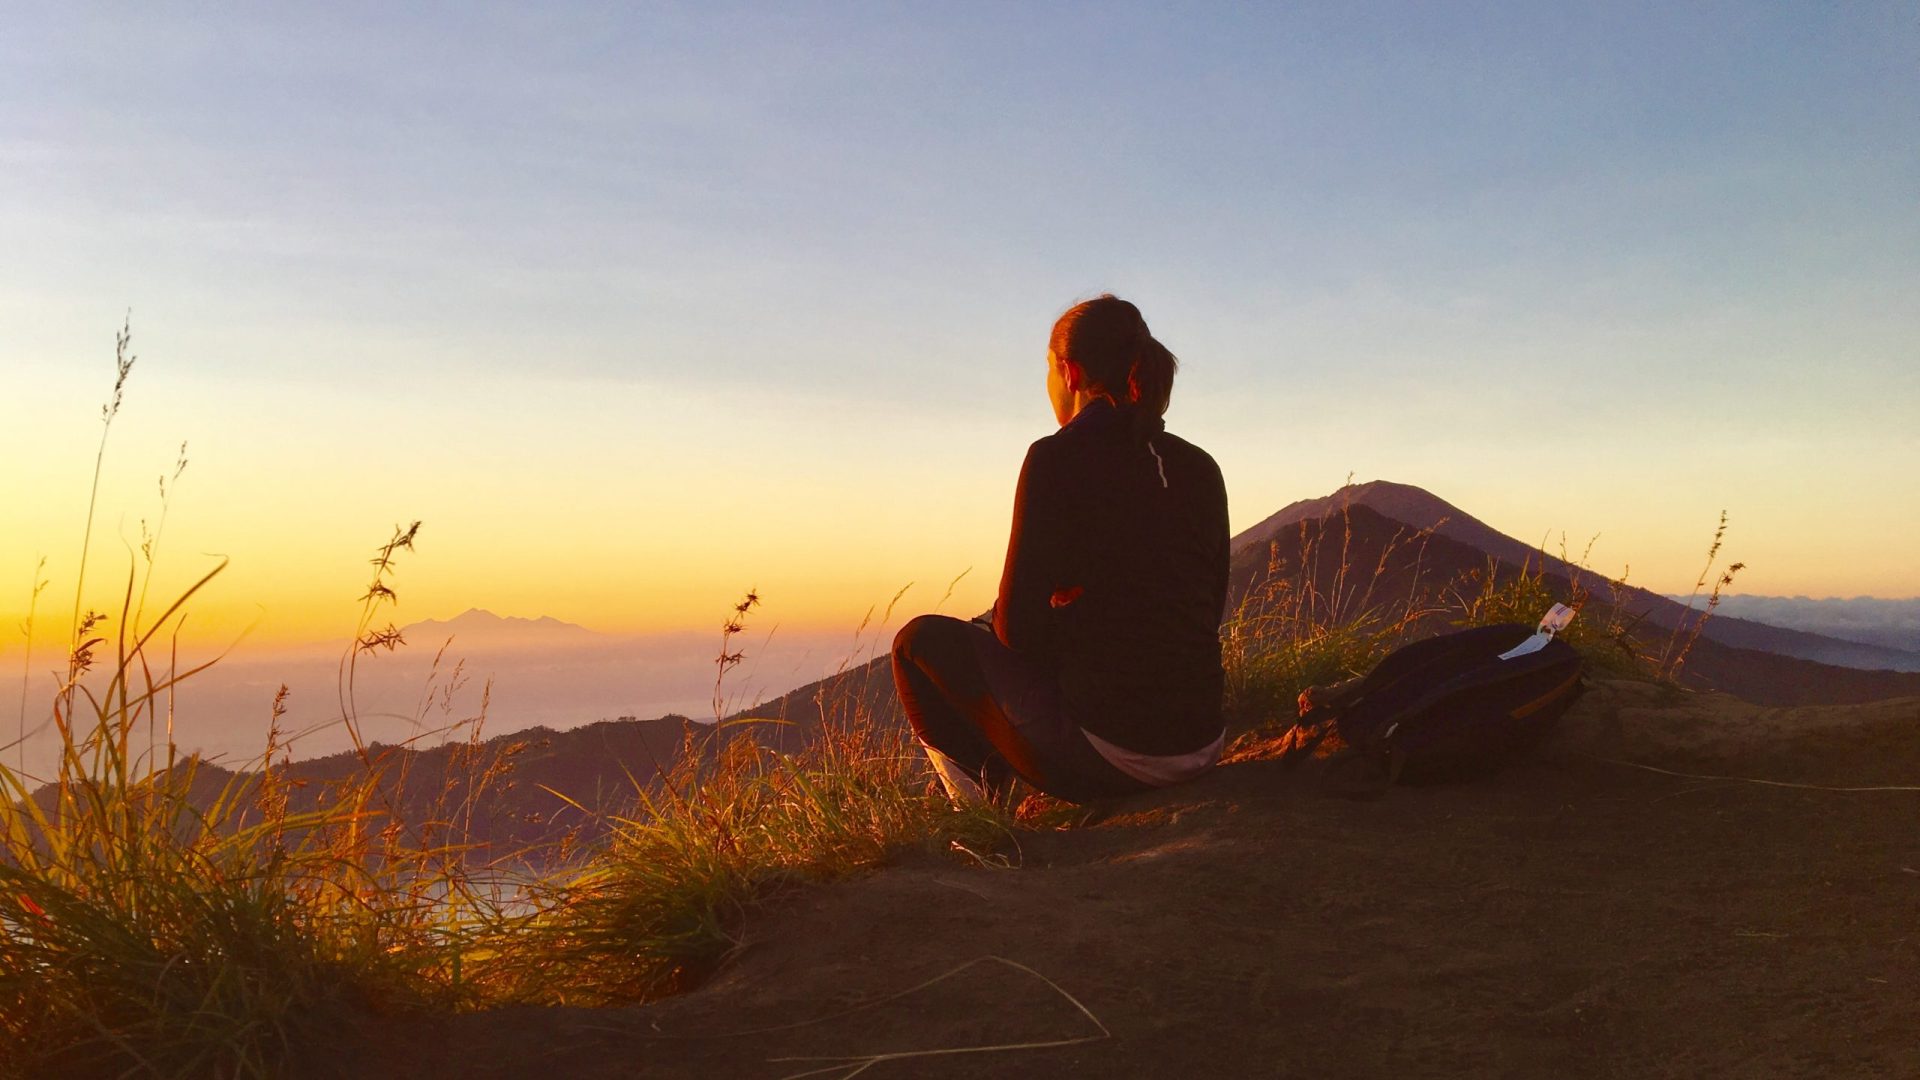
(924, 635)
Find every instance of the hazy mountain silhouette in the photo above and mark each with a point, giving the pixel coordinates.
(1423, 510)
(477, 627)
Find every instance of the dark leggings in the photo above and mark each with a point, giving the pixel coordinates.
(995, 713)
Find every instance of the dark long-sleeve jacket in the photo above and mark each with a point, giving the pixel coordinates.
(1116, 576)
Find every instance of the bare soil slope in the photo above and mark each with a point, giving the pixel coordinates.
(1569, 917)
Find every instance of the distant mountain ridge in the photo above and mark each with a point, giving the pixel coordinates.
(1421, 509)
(478, 626)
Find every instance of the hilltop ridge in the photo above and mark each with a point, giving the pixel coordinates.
(1570, 916)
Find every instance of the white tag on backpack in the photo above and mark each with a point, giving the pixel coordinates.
(1557, 618)
(1554, 621)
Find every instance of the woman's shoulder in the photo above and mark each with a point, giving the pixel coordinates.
(1047, 447)
(1050, 463)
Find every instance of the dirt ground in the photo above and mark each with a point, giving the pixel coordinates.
(1568, 918)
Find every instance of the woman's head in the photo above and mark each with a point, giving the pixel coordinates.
(1102, 348)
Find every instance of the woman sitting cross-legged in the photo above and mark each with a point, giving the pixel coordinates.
(1100, 674)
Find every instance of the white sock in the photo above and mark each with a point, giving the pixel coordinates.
(963, 789)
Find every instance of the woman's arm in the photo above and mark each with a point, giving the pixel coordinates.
(1036, 558)
(1223, 543)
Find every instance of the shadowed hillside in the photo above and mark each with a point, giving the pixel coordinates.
(506, 795)
(863, 689)
(542, 773)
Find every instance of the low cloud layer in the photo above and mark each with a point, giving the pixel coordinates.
(1874, 621)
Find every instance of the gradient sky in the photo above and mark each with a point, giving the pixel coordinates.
(636, 307)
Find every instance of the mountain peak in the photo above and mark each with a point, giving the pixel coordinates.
(1405, 503)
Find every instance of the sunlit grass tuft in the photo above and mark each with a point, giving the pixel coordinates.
(734, 825)
(160, 916)
(1314, 622)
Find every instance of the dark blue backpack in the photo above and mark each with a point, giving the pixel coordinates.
(1446, 708)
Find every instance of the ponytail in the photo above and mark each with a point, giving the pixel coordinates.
(1108, 338)
(1150, 383)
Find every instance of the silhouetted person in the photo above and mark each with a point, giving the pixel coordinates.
(1100, 673)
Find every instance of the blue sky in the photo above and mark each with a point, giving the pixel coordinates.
(1602, 269)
